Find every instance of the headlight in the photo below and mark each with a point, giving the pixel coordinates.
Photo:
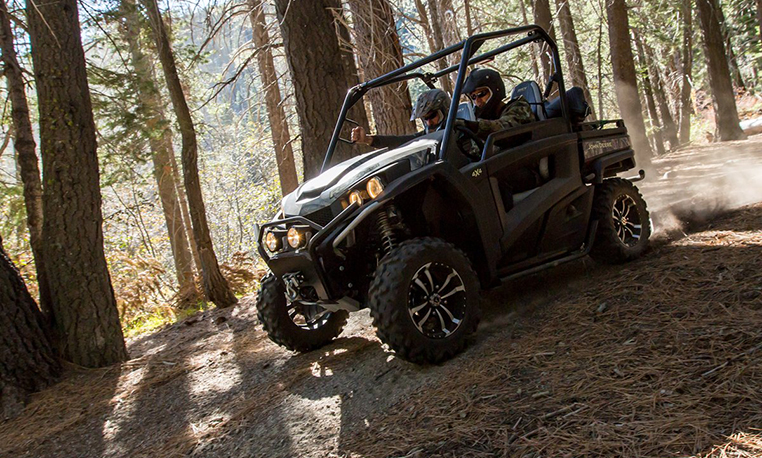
(295, 238)
(356, 198)
(273, 242)
(374, 187)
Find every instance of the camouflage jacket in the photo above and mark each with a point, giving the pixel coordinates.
(514, 113)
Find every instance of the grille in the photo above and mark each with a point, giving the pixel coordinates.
(321, 217)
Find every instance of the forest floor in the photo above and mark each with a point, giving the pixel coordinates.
(659, 357)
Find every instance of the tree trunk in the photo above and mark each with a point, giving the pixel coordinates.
(318, 76)
(216, 288)
(544, 18)
(469, 23)
(450, 32)
(180, 192)
(573, 54)
(735, 69)
(434, 36)
(686, 68)
(379, 52)
(599, 61)
(85, 316)
(668, 122)
(160, 142)
(357, 113)
(27, 360)
(26, 155)
(649, 96)
(723, 98)
(535, 67)
(759, 19)
(284, 154)
(625, 81)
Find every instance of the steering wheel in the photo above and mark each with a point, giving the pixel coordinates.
(472, 136)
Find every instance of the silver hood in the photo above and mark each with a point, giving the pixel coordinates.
(323, 190)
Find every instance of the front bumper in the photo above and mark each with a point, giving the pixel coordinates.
(322, 266)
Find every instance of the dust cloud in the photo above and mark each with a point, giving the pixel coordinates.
(696, 184)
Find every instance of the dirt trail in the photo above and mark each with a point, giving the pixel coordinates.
(660, 357)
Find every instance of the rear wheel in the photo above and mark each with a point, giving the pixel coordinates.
(295, 325)
(624, 226)
(424, 300)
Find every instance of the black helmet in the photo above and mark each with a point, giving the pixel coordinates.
(486, 77)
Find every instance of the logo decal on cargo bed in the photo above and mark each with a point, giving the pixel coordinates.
(598, 147)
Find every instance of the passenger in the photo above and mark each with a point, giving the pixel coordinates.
(431, 107)
(486, 90)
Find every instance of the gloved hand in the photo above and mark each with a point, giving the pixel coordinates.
(473, 126)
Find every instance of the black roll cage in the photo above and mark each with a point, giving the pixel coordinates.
(469, 46)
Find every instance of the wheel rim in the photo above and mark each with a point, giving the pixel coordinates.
(627, 223)
(437, 300)
(306, 315)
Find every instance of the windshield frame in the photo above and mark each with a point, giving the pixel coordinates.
(469, 47)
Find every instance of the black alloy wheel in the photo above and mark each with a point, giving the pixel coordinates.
(437, 300)
(424, 300)
(294, 324)
(624, 225)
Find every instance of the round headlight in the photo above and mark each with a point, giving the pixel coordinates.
(295, 239)
(355, 198)
(272, 242)
(374, 187)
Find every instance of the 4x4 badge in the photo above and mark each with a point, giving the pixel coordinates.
(476, 173)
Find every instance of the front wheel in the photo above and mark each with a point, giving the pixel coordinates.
(295, 325)
(624, 225)
(424, 300)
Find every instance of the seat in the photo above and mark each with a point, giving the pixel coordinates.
(579, 109)
(466, 111)
(530, 90)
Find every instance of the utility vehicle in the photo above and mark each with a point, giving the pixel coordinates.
(414, 233)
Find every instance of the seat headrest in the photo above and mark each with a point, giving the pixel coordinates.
(530, 90)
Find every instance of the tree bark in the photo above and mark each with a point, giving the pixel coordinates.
(759, 19)
(535, 67)
(599, 61)
(686, 68)
(668, 122)
(469, 23)
(27, 360)
(450, 32)
(284, 154)
(573, 54)
(160, 143)
(216, 288)
(318, 76)
(434, 36)
(544, 18)
(625, 81)
(26, 154)
(649, 96)
(357, 113)
(184, 210)
(723, 97)
(735, 69)
(379, 52)
(85, 316)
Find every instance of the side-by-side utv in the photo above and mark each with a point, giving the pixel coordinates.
(414, 233)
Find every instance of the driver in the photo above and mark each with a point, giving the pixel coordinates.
(431, 107)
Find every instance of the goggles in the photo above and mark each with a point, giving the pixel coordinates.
(479, 94)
